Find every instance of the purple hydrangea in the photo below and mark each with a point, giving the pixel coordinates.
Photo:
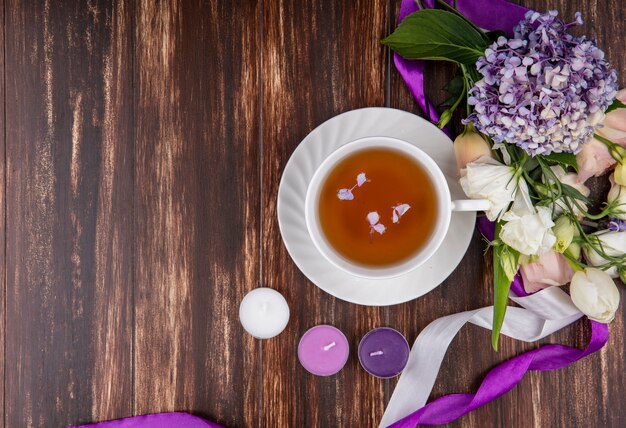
(544, 90)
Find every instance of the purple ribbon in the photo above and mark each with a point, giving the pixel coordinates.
(492, 15)
(157, 420)
(502, 379)
(507, 375)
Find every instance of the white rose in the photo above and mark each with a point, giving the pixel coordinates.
(488, 179)
(613, 244)
(571, 179)
(617, 194)
(595, 294)
(530, 233)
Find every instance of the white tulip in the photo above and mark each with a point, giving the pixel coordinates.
(529, 232)
(617, 195)
(613, 244)
(488, 179)
(595, 294)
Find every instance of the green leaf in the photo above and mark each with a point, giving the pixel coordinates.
(571, 192)
(505, 264)
(565, 159)
(615, 105)
(434, 34)
(455, 87)
(530, 165)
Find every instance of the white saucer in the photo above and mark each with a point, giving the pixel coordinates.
(325, 139)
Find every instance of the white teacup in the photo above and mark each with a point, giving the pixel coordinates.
(445, 208)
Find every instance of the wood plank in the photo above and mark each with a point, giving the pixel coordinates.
(196, 199)
(319, 59)
(69, 194)
(585, 394)
(2, 217)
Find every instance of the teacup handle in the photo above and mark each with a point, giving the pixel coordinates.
(470, 205)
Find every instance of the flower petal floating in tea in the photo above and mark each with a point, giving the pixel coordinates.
(345, 194)
(361, 179)
(398, 211)
(374, 219)
(380, 228)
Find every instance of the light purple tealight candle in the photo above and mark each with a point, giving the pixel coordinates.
(323, 350)
(384, 352)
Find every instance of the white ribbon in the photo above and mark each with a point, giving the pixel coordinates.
(542, 314)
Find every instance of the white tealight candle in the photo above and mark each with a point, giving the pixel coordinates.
(264, 313)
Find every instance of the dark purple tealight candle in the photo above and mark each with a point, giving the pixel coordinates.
(384, 352)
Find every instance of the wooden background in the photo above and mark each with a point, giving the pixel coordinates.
(143, 143)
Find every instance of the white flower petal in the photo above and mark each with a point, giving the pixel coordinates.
(489, 179)
(360, 179)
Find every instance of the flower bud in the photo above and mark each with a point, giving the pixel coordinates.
(573, 250)
(509, 263)
(620, 173)
(617, 197)
(446, 116)
(564, 230)
(595, 294)
(470, 146)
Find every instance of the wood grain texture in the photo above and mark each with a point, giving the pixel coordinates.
(142, 151)
(319, 59)
(196, 208)
(69, 192)
(3, 165)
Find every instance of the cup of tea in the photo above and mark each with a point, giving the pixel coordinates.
(379, 207)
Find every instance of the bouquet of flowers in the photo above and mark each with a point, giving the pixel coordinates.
(543, 115)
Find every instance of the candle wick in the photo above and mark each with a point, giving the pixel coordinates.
(330, 345)
(373, 354)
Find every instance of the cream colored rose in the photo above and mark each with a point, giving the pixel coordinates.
(530, 233)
